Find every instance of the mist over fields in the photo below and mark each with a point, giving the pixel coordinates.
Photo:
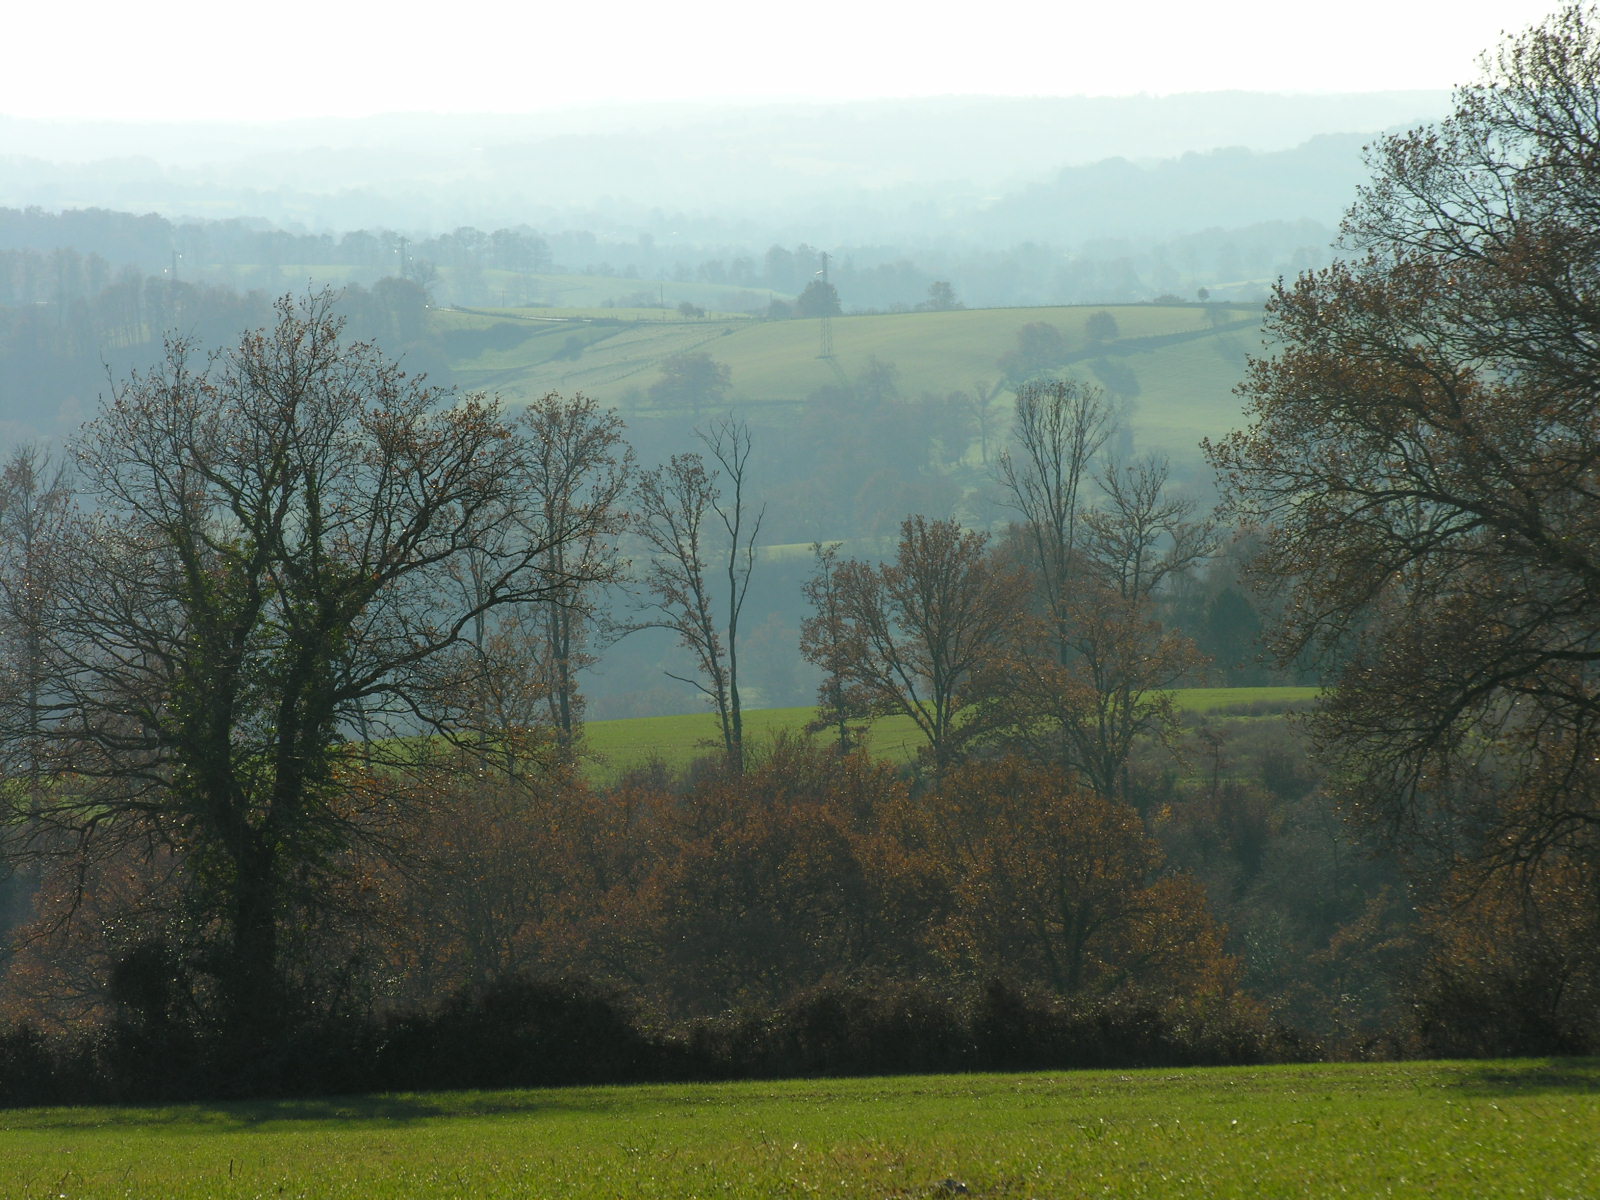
(950, 171)
(614, 238)
(1150, 537)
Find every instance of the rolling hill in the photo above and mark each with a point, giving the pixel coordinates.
(1172, 366)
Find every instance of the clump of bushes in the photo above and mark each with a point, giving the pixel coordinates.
(521, 1032)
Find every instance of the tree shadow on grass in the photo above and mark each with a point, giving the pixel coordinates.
(346, 1111)
(1526, 1077)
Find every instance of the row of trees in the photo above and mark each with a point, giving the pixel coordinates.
(59, 257)
(52, 258)
(57, 356)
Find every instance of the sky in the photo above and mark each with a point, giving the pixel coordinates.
(197, 59)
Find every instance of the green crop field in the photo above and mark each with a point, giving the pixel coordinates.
(1181, 366)
(1413, 1129)
(608, 295)
(613, 747)
(1204, 700)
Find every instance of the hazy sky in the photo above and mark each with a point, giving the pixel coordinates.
(189, 59)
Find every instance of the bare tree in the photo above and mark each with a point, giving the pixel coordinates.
(1060, 427)
(980, 402)
(1096, 674)
(912, 634)
(35, 498)
(825, 640)
(1143, 534)
(580, 473)
(674, 504)
(1087, 713)
(267, 563)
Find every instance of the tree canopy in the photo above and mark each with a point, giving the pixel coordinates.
(909, 636)
(1424, 456)
(819, 299)
(691, 381)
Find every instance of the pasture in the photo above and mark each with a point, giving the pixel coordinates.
(1172, 367)
(1398, 1129)
(613, 747)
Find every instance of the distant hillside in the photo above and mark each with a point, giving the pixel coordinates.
(856, 172)
(1173, 367)
(1222, 189)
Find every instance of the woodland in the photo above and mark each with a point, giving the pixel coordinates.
(296, 644)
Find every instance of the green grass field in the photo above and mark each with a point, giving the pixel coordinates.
(1205, 700)
(613, 747)
(1414, 1129)
(1183, 368)
(616, 746)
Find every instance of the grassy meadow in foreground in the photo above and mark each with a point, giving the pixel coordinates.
(615, 746)
(1413, 1129)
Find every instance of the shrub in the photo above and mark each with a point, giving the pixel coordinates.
(519, 1032)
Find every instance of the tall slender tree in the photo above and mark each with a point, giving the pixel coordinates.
(35, 498)
(581, 470)
(825, 641)
(1082, 684)
(1060, 427)
(674, 505)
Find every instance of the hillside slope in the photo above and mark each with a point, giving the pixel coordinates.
(1173, 367)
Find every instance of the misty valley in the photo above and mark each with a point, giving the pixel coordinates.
(686, 595)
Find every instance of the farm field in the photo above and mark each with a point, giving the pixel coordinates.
(1176, 365)
(1413, 1129)
(613, 747)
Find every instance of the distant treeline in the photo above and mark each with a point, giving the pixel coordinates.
(56, 257)
(73, 324)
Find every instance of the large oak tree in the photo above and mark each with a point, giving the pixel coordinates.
(1424, 457)
(261, 594)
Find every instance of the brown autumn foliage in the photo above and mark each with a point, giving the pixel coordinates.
(1055, 884)
(1512, 964)
(1080, 697)
(500, 876)
(85, 916)
(767, 883)
(810, 867)
(1087, 672)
